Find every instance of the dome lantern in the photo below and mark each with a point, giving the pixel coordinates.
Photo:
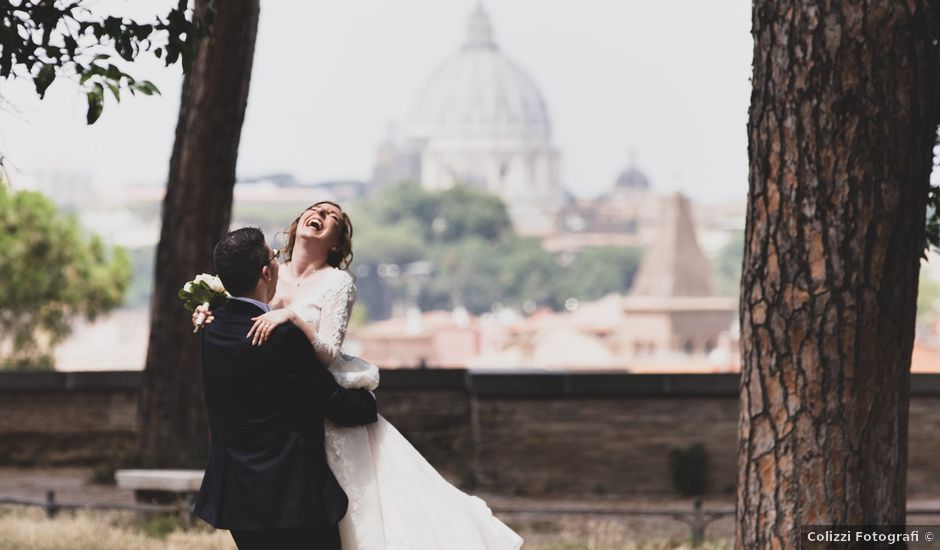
(479, 31)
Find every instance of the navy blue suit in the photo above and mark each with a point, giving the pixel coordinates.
(267, 469)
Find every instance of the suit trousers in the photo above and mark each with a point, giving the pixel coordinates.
(324, 537)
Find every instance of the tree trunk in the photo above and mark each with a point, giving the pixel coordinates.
(196, 214)
(843, 120)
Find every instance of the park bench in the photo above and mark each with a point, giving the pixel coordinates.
(161, 486)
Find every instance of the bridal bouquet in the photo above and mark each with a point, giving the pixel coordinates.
(204, 290)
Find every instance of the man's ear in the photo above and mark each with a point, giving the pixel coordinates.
(266, 273)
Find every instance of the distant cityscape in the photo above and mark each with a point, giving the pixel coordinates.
(481, 121)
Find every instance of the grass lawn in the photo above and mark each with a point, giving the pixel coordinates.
(29, 529)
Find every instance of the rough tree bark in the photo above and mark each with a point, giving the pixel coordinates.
(196, 214)
(843, 117)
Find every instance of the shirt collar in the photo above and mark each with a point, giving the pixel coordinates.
(264, 307)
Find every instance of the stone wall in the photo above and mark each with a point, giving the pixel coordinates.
(600, 433)
(527, 433)
(52, 418)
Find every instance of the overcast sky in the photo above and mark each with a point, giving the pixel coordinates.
(667, 80)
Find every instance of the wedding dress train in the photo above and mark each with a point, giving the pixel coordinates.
(397, 500)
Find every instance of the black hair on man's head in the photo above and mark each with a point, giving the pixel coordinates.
(239, 257)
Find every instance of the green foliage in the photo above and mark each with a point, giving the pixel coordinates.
(476, 260)
(43, 39)
(405, 202)
(466, 273)
(50, 274)
(689, 469)
(466, 212)
(529, 274)
(447, 216)
(478, 274)
(397, 243)
(728, 266)
(597, 272)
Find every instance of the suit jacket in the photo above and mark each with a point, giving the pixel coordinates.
(267, 465)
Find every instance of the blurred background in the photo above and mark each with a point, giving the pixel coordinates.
(537, 189)
(507, 168)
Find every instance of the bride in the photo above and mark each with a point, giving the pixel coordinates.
(397, 500)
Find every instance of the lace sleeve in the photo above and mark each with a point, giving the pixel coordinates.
(334, 318)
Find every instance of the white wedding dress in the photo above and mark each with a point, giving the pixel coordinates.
(397, 500)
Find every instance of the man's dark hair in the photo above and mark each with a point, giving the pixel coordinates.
(239, 258)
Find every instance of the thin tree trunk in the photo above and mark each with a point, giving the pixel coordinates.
(196, 214)
(842, 125)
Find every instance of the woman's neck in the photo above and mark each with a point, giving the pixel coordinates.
(305, 262)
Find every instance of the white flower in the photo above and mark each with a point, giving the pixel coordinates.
(203, 278)
(188, 287)
(216, 285)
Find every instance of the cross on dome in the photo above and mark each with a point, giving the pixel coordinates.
(479, 30)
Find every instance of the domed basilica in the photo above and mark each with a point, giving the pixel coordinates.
(480, 120)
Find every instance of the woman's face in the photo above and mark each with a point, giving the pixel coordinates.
(321, 221)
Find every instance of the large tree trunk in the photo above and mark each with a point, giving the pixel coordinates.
(842, 124)
(196, 214)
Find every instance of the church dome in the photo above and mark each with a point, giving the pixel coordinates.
(632, 179)
(479, 92)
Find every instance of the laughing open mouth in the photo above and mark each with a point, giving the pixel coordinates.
(315, 223)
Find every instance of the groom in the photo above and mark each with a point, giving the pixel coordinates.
(267, 479)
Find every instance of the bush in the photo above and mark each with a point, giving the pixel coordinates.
(103, 473)
(689, 469)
